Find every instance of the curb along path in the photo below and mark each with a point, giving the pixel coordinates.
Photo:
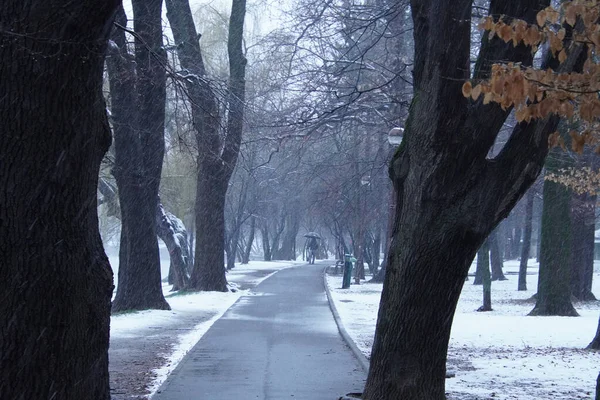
(362, 359)
(279, 343)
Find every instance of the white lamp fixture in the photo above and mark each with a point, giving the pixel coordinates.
(395, 136)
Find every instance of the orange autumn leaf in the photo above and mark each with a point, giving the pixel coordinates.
(541, 18)
(467, 88)
(577, 142)
(476, 92)
(553, 139)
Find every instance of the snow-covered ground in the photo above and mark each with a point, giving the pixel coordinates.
(503, 354)
(191, 315)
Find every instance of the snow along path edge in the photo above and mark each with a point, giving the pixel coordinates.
(187, 341)
(338, 321)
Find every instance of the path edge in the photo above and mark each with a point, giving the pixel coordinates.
(362, 359)
(179, 365)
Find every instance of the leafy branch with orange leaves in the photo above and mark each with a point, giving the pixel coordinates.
(580, 180)
(537, 93)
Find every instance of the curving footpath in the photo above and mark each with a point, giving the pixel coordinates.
(280, 343)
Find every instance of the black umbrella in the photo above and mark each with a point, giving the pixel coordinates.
(313, 235)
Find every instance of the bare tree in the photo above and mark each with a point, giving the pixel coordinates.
(138, 115)
(217, 149)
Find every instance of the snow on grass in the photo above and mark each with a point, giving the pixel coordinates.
(503, 354)
(214, 304)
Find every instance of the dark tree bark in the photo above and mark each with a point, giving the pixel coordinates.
(264, 233)
(450, 196)
(379, 277)
(583, 215)
(217, 156)
(231, 247)
(598, 387)
(496, 257)
(137, 108)
(278, 234)
(57, 282)
(595, 343)
(287, 250)
(526, 241)
(240, 250)
(538, 224)
(209, 269)
(483, 259)
(554, 291)
(250, 241)
(484, 254)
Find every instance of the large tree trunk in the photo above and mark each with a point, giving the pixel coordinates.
(484, 265)
(526, 241)
(483, 259)
(595, 343)
(138, 99)
(450, 196)
(248, 247)
(287, 250)
(209, 269)
(554, 291)
(264, 233)
(277, 237)
(217, 155)
(496, 257)
(150, 59)
(583, 215)
(232, 247)
(57, 282)
(230, 253)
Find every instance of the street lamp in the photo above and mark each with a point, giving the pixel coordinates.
(395, 136)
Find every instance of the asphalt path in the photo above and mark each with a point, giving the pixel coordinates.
(280, 342)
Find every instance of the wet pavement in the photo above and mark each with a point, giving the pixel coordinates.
(279, 343)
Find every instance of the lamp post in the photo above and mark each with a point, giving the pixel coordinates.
(395, 137)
